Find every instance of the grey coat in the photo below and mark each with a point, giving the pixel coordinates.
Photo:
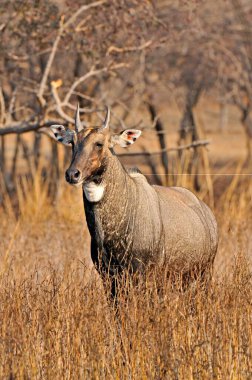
(136, 225)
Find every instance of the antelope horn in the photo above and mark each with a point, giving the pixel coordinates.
(105, 124)
(78, 123)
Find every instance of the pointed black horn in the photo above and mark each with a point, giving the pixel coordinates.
(78, 123)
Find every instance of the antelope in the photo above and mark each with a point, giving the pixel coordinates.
(135, 225)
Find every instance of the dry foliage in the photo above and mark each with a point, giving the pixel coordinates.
(57, 321)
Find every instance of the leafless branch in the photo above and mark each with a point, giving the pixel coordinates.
(63, 27)
(91, 73)
(115, 49)
(82, 9)
(195, 144)
(18, 128)
(47, 69)
(161, 137)
(2, 107)
(59, 106)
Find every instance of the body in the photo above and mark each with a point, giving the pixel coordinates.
(132, 224)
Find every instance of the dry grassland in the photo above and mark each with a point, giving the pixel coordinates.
(56, 322)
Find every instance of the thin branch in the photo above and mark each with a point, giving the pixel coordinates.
(194, 144)
(25, 127)
(83, 9)
(91, 73)
(65, 103)
(161, 137)
(115, 49)
(11, 110)
(62, 28)
(59, 106)
(2, 107)
(48, 68)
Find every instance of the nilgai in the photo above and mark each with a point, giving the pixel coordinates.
(134, 225)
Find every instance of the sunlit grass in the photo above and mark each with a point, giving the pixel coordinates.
(58, 323)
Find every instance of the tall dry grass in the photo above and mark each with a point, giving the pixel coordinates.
(57, 323)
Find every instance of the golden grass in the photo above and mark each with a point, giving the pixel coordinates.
(56, 321)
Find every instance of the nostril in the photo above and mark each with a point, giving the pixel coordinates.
(72, 175)
(67, 176)
(76, 174)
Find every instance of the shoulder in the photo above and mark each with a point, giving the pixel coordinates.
(135, 173)
(138, 177)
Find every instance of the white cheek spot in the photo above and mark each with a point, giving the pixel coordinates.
(93, 191)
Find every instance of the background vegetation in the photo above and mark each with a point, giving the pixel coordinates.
(181, 72)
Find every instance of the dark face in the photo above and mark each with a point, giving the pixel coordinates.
(89, 152)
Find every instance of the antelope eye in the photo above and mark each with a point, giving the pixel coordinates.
(98, 145)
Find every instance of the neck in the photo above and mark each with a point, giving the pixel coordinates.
(111, 216)
(108, 196)
(107, 184)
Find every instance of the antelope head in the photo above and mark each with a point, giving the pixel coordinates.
(90, 147)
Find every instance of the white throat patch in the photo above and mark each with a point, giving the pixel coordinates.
(93, 191)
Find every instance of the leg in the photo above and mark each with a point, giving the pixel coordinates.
(94, 254)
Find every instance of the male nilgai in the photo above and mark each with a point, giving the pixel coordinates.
(132, 224)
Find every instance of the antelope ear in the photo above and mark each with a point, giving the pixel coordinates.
(126, 138)
(63, 135)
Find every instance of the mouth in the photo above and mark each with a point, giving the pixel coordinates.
(77, 184)
(96, 178)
